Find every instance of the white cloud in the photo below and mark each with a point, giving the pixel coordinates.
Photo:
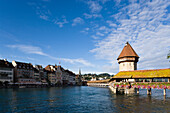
(44, 17)
(143, 25)
(99, 34)
(77, 20)
(94, 37)
(85, 30)
(60, 23)
(28, 49)
(44, 13)
(94, 6)
(88, 16)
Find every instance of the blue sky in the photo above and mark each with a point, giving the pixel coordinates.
(86, 34)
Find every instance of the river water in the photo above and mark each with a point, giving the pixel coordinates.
(82, 99)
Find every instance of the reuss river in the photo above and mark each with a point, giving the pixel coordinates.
(81, 99)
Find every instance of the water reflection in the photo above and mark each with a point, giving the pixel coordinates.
(80, 99)
(141, 103)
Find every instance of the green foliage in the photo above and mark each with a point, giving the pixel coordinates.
(103, 75)
(168, 56)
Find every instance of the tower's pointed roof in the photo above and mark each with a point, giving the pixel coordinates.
(128, 51)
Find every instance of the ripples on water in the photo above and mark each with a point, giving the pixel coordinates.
(81, 99)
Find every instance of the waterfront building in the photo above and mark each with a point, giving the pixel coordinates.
(59, 74)
(51, 74)
(65, 76)
(23, 73)
(79, 78)
(72, 78)
(6, 71)
(40, 74)
(36, 75)
(93, 79)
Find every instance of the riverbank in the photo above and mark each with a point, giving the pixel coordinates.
(34, 86)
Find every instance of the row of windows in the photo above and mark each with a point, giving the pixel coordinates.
(1, 77)
(130, 64)
(22, 80)
(25, 67)
(5, 73)
(25, 70)
(8, 69)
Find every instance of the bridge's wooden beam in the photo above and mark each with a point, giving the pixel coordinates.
(164, 92)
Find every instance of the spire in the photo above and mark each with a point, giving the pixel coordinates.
(79, 71)
(128, 51)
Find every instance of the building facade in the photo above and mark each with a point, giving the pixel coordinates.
(65, 76)
(23, 73)
(59, 74)
(79, 78)
(6, 71)
(51, 75)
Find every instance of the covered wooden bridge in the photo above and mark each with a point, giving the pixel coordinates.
(156, 75)
(99, 83)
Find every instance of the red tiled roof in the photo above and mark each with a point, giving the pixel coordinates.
(127, 51)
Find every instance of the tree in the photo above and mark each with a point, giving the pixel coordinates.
(168, 56)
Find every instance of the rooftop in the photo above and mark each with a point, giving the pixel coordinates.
(128, 51)
(99, 81)
(155, 73)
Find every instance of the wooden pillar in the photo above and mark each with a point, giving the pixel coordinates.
(151, 80)
(149, 91)
(164, 92)
(168, 79)
(137, 90)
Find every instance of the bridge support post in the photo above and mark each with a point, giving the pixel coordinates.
(137, 91)
(149, 91)
(164, 92)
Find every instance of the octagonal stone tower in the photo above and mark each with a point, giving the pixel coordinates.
(128, 59)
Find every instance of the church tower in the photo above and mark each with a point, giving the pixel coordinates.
(128, 59)
(79, 72)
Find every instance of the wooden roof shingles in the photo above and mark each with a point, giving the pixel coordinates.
(128, 51)
(156, 73)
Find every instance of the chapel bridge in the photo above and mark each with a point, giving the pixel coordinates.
(130, 80)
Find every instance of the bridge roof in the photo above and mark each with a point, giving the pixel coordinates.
(155, 73)
(99, 81)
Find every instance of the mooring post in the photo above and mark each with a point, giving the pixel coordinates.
(137, 90)
(149, 91)
(164, 92)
